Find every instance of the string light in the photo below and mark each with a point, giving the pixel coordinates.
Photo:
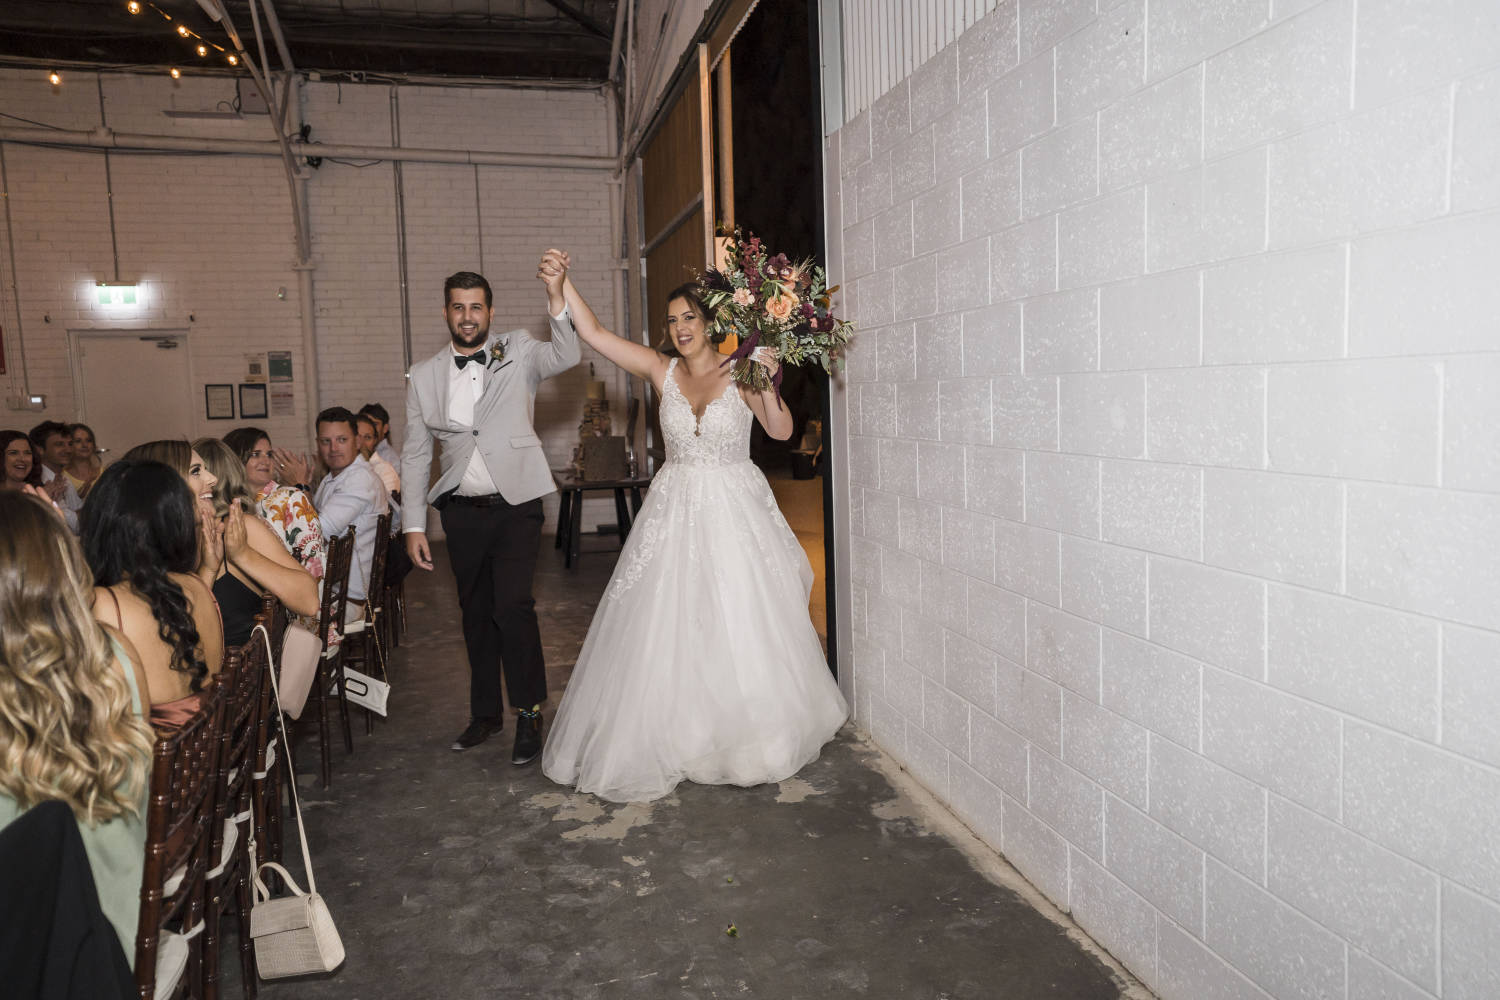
(54, 78)
(234, 60)
(176, 73)
(182, 30)
(133, 6)
(202, 50)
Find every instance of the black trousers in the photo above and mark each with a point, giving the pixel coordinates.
(494, 550)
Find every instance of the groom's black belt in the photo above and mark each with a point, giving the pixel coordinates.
(488, 500)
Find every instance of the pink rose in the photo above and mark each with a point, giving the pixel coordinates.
(781, 307)
(742, 297)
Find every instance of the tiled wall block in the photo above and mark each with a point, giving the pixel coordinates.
(1176, 444)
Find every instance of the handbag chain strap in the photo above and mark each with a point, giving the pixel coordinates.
(312, 885)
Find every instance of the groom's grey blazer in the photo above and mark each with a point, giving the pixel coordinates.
(502, 429)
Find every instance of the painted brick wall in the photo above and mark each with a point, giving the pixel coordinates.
(212, 235)
(1176, 475)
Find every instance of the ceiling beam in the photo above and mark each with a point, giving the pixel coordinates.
(568, 10)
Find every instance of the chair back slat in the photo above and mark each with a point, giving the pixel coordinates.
(179, 813)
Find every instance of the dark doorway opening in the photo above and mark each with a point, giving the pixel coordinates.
(778, 195)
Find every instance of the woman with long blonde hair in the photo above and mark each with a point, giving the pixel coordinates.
(73, 705)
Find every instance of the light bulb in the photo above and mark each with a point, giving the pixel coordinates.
(54, 78)
(182, 30)
(133, 6)
(234, 60)
(202, 50)
(176, 73)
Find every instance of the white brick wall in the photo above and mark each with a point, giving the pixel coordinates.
(213, 236)
(1175, 475)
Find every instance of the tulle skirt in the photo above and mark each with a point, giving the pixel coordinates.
(701, 662)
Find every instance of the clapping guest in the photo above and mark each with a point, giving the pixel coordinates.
(84, 466)
(288, 509)
(54, 450)
(155, 552)
(73, 700)
(238, 600)
(263, 562)
(19, 468)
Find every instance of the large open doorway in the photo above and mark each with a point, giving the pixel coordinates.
(776, 191)
(737, 142)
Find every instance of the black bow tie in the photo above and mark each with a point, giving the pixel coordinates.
(463, 359)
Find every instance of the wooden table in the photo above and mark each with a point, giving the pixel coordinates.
(570, 514)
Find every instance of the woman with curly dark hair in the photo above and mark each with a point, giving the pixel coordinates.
(153, 551)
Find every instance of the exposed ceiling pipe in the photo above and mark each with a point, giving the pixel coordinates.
(104, 138)
(274, 23)
(614, 45)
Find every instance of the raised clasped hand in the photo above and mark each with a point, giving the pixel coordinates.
(553, 268)
(767, 358)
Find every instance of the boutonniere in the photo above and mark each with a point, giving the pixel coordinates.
(497, 353)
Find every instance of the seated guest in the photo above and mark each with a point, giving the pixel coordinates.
(288, 509)
(85, 465)
(263, 562)
(18, 469)
(351, 495)
(384, 470)
(54, 450)
(155, 553)
(236, 596)
(382, 421)
(73, 701)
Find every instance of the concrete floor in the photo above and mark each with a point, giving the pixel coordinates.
(460, 876)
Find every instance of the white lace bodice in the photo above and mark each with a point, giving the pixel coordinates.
(721, 437)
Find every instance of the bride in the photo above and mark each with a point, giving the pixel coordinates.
(701, 662)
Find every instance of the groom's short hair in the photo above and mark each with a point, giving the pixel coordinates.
(468, 279)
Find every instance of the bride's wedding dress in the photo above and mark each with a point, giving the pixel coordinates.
(701, 662)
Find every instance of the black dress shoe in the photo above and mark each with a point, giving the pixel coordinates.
(528, 738)
(479, 730)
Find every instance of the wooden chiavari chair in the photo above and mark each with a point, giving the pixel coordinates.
(228, 880)
(362, 639)
(179, 817)
(329, 682)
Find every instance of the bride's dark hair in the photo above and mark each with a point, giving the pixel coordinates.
(693, 293)
(139, 524)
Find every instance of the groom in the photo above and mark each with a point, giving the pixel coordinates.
(475, 396)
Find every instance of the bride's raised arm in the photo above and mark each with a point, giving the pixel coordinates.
(637, 359)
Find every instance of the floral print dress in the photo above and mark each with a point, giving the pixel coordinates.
(290, 512)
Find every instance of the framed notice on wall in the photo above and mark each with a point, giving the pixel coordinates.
(218, 401)
(252, 401)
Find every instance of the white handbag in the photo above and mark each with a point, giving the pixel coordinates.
(293, 935)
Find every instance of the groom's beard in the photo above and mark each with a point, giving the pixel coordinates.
(474, 339)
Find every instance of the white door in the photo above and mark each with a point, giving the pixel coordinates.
(135, 386)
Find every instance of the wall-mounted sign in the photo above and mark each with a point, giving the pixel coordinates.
(279, 365)
(255, 368)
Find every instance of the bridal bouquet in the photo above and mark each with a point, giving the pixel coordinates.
(768, 301)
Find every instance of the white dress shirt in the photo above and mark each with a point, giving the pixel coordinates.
(465, 386)
(388, 451)
(70, 503)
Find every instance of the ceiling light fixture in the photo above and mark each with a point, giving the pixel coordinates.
(234, 60)
(202, 51)
(182, 30)
(54, 78)
(176, 73)
(133, 6)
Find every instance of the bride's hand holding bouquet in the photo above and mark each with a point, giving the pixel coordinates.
(769, 302)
